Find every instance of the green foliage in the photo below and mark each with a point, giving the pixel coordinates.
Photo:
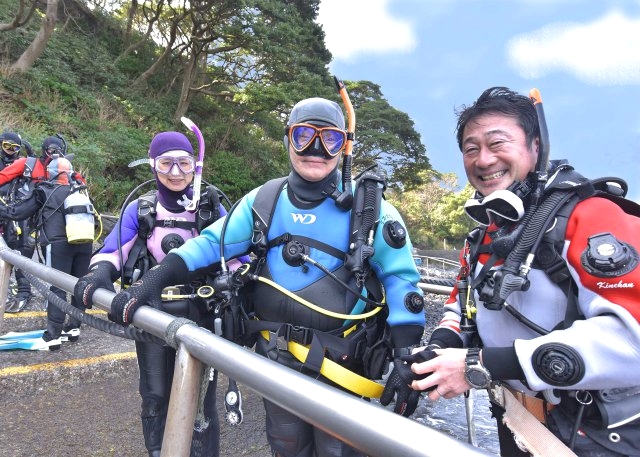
(434, 211)
(267, 55)
(386, 136)
(449, 217)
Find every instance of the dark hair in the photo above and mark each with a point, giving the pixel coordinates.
(504, 101)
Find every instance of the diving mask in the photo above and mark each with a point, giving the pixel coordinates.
(302, 135)
(501, 203)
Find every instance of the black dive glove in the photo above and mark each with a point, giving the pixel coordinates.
(398, 386)
(423, 356)
(147, 291)
(101, 276)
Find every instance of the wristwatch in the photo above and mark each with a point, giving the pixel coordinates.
(475, 373)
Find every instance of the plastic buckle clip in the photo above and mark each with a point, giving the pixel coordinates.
(301, 335)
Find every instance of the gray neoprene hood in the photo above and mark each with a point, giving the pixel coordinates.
(317, 109)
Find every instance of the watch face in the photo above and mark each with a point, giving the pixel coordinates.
(477, 378)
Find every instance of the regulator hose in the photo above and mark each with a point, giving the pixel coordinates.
(368, 214)
(534, 228)
(513, 275)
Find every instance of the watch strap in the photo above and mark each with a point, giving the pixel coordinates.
(473, 356)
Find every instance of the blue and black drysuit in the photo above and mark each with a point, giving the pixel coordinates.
(321, 224)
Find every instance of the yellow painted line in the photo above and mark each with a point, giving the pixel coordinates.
(27, 314)
(13, 371)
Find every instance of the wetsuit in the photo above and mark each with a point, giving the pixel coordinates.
(18, 233)
(47, 203)
(598, 352)
(323, 229)
(156, 363)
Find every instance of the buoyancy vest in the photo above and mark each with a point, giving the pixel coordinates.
(33, 172)
(565, 192)
(51, 218)
(140, 258)
(11, 192)
(362, 344)
(543, 237)
(353, 264)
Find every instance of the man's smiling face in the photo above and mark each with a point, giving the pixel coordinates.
(495, 152)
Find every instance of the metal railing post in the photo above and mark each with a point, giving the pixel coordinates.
(5, 274)
(183, 404)
(435, 289)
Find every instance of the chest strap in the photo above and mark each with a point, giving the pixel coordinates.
(174, 223)
(286, 237)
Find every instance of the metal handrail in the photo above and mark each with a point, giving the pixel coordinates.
(444, 261)
(435, 288)
(370, 428)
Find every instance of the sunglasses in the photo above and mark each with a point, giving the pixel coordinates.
(11, 148)
(502, 203)
(164, 165)
(301, 135)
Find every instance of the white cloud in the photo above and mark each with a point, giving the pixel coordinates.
(355, 27)
(603, 52)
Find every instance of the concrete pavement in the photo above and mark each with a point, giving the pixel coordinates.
(83, 399)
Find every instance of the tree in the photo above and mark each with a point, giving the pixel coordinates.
(39, 43)
(450, 221)
(433, 211)
(236, 67)
(151, 14)
(218, 29)
(165, 23)
(386, 136)
(20, 18)
(270, 44)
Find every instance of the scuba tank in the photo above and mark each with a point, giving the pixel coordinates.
(79, 217)
(78, 209)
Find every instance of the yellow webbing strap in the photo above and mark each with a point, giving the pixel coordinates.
(336, 373)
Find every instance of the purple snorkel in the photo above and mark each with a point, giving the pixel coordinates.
(197, 179)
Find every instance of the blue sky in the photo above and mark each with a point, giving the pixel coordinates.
(432, 56)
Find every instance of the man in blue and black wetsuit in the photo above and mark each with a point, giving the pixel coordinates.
(302, 261)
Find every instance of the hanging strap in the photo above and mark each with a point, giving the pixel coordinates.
(527, 430)
(262, 210)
